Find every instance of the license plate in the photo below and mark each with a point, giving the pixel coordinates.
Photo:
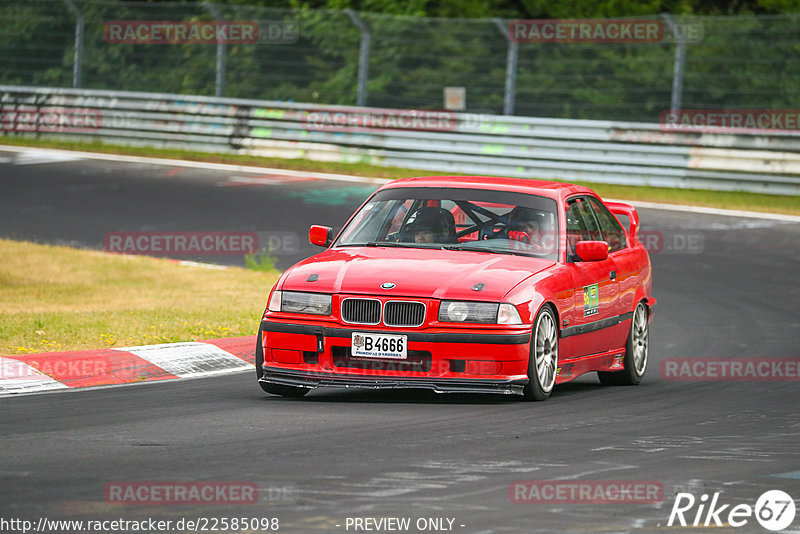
(366, 345)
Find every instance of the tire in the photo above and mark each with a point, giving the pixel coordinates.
(543, 358)
(259, 355)
(273, 389)
(283, 391)
(636, 352)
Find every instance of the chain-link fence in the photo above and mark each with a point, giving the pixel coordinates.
(340, 57)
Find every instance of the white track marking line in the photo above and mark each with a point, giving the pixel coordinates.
(204, 165)
(34, 157)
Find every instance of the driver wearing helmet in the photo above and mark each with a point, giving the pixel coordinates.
(524, 225)
(430, 225)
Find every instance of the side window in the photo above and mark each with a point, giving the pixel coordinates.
(581, 224)
(375, 221)
(575, 226)
(395, 220)
(609, 226)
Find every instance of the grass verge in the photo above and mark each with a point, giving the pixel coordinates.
(786, 204)
(56, 298)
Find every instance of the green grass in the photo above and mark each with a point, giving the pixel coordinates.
(717, 199)
(58, 298)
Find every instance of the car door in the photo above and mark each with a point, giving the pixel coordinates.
(595, 288)
(627, 265)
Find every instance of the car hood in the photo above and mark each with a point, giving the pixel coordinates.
(442, 274)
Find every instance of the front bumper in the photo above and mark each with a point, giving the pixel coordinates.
(451, 361)
(307, 379)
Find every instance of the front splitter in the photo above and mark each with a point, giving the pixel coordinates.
(307, 379)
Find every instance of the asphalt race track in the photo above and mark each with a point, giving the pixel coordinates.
(728, 288)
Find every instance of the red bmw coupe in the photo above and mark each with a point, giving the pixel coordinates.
(464, 284)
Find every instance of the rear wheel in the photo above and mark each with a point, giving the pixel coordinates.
(636, 352)
(274, 389)
(544, 356)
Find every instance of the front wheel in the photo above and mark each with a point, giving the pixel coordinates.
(283, 391)
(544, 356)
(259, 354)
(636, 351)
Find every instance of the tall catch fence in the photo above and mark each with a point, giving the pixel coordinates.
(348, 58)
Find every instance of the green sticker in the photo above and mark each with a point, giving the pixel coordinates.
(493, 149)
(262, 113)
(591, 300)
(261, 132)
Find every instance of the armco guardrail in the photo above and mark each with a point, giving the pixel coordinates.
(563, 149)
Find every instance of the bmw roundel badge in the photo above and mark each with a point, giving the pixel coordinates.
(387, 285)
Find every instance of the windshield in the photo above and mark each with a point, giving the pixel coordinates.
(497, 222)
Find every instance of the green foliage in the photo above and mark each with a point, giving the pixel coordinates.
(568, 9)
(263, 262)
(743, 61)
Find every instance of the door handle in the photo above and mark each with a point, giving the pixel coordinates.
(613, 275)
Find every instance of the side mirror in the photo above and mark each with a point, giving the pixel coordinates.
(320, 235)
(591, 250)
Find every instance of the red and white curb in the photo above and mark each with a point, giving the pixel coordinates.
(50, 371)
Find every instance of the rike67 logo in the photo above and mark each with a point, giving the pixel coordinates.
(774, 510)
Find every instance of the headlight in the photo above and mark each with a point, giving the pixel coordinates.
(296, 302)
(454, 311)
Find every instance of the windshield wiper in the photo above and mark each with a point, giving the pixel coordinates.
(391, 244)
(483, 249)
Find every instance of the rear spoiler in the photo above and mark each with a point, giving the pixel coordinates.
(629, 212)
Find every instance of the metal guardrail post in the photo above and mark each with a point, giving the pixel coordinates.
(219, 82)
(680, 61)
(363, 57)
(77, 61)
(511, 68)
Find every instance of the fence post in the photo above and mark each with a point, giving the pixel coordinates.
(680, 60)
(219, 82)
(511, 68)
(363, 57)
(77, 61)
